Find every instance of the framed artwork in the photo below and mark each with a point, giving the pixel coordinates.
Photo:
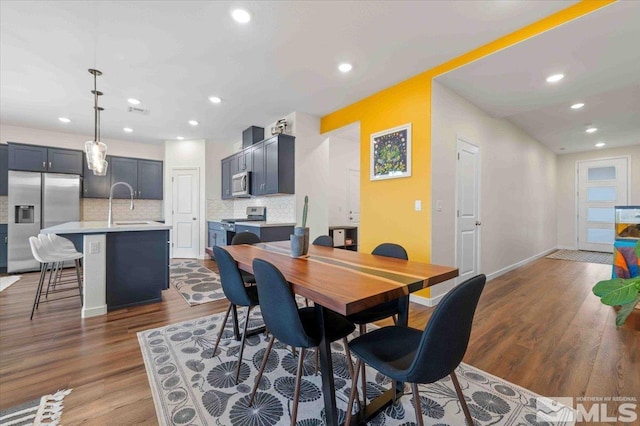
(391, 153)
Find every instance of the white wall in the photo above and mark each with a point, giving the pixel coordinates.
(566, 173)
(122, 148)
(344, 155)
(312, 173)
(517, 186)
(186, 154)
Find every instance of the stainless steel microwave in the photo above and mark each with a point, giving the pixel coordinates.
(241, 184)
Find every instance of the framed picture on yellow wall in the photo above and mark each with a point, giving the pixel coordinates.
(391, 153)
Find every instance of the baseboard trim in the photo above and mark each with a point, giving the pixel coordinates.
(94, 312)
(433, 301)
(516, 265)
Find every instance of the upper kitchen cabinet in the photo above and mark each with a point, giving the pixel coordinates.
(32, 158)
(144, 176)
(150, 179)
(96, 186)
(226, 179)
(4, 169)
(274, 166)
(124, 170)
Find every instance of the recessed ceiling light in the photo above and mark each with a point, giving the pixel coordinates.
(345, 67)
(133, 101)
(193, 122)
(591, 130)
(64, 119)
(128, 129)
(555, 78)
(215, 100)
(180, 138)
(600, 144)
(241, 16)
(577, 106)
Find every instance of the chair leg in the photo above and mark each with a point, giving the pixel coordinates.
(416, 404)
(456, 385)
(244, 338)
(394, 385)
(352, 394)
(296, 394)
(262, 366)
(363, 330)
(347, 352)
(40, 283)
(395, 319)
(224, 323)
(317, 360)
(54, 268)
(46, 267)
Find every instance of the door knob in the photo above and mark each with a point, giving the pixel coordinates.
(194, 218)
(478, 223)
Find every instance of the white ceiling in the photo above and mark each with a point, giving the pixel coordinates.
(600, 58)
(173, 55)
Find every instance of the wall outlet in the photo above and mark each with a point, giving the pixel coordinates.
(438, 205)
(418, 205)
(94, 248)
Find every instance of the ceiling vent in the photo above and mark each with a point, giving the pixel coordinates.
(138, 110)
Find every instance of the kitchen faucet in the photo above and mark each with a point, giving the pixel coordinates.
(109, 220)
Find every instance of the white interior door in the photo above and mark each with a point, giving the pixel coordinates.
(467, 210)
(602, 184)
(354, 197)
(186, 213)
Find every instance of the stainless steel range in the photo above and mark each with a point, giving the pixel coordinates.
(253, 214)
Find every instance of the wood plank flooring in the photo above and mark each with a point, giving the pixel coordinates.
(538, 326)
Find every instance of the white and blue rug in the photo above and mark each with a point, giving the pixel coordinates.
(195, 283)
(192, 385)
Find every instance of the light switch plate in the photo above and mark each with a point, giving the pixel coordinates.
(418, 205)
(438, 205)
(95, 247)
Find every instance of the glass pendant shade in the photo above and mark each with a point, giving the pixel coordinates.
(96, 153)
(101, 168)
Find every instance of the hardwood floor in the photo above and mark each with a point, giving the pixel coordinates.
(538, 326)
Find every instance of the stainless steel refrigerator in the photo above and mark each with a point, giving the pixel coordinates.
(37, 201)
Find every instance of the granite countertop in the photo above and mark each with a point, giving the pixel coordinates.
(99, 227)
(260, 224)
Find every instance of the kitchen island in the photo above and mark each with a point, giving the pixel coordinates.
(124, 265)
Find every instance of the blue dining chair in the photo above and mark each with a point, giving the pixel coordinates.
(385, 309)
(405, 354)
(293, 326)
(246, 237)
(238, 294)
(323, 240)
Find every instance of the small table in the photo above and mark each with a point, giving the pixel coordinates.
(345, 282)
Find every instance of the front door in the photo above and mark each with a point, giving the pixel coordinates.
(186, 213)
(467, 211)
(602, 184)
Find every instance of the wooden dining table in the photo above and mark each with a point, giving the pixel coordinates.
(345, 282)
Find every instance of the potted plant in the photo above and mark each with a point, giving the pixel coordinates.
(300, 237)
(623, 292)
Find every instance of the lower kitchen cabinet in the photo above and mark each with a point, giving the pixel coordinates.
(268, 233)
(137, 267)
(4, 169)
(3, 248)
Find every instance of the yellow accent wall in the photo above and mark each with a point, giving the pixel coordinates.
(387, 207)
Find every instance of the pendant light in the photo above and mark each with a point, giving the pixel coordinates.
(95, 150)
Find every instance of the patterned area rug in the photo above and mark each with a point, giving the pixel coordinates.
(195, 283)
(46, 410)
(192, 385)
(583, 256)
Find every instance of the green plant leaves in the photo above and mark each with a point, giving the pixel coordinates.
(625, 311)
(617, 291)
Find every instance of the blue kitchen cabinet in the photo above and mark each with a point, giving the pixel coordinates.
(3, 248)
(4, 170)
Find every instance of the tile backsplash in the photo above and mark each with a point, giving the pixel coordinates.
(4, 209)
(280, 208)
(98, 209)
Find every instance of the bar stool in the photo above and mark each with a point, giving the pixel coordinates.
(61, 247)
(45, 252)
